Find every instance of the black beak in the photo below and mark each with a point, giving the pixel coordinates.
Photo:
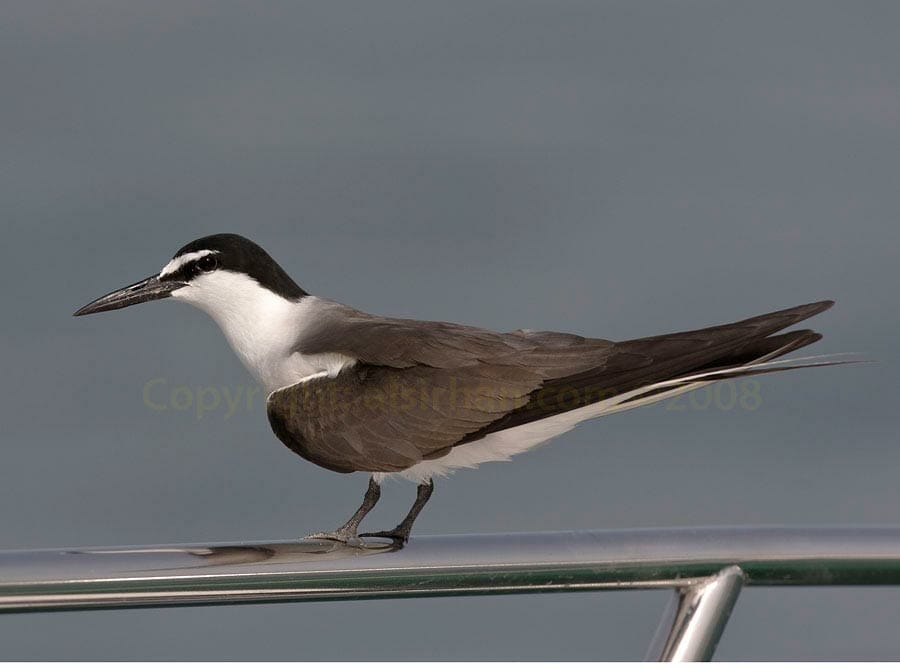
(147, 290)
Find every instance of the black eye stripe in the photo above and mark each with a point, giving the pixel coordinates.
(237, 254)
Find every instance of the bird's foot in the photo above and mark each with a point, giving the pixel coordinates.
(398, 536)
(343, 536)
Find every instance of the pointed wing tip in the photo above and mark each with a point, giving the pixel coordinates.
(817, 307)
(803, 311)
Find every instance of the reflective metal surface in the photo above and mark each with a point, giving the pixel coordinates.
(443, 565)
(695, 619)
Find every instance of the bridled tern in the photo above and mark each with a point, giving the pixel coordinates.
(351, 391)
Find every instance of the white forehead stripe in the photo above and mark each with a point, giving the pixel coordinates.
(180, 261)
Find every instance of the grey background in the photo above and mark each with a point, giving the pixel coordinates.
(617, 169)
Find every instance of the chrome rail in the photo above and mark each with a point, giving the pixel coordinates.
(706, 567)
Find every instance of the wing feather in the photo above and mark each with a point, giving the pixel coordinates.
(420, 388)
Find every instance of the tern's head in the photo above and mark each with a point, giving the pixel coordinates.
(215, 272)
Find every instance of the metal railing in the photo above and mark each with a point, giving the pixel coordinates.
(706, 568)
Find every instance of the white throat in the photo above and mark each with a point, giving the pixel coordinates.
(261, 326)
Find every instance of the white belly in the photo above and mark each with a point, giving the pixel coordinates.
(501, 446)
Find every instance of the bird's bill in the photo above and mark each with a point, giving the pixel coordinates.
(147, 290)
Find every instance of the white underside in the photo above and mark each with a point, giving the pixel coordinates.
(501, 446)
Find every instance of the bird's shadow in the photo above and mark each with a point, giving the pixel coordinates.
(165, 558)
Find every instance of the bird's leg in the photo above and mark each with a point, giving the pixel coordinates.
(347, 532)
(400, 534)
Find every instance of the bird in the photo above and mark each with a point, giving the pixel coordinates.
(351, 391)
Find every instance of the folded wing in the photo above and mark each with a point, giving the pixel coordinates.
(421, 388)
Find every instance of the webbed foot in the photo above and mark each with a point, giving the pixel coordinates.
(345, 537)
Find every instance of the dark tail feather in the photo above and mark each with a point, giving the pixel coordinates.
(741, 361)
(774, 346)
(644, 362)
(665, 364)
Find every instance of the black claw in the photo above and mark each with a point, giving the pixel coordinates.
(346, 533)
(397, 537)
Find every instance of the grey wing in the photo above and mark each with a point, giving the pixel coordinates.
(404, 343)
(640, 363)
(385, 419)
(517, 377)
(417, 389)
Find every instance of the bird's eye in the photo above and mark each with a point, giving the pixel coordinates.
(207, 263)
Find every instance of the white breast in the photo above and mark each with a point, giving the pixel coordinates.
(262, 327)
